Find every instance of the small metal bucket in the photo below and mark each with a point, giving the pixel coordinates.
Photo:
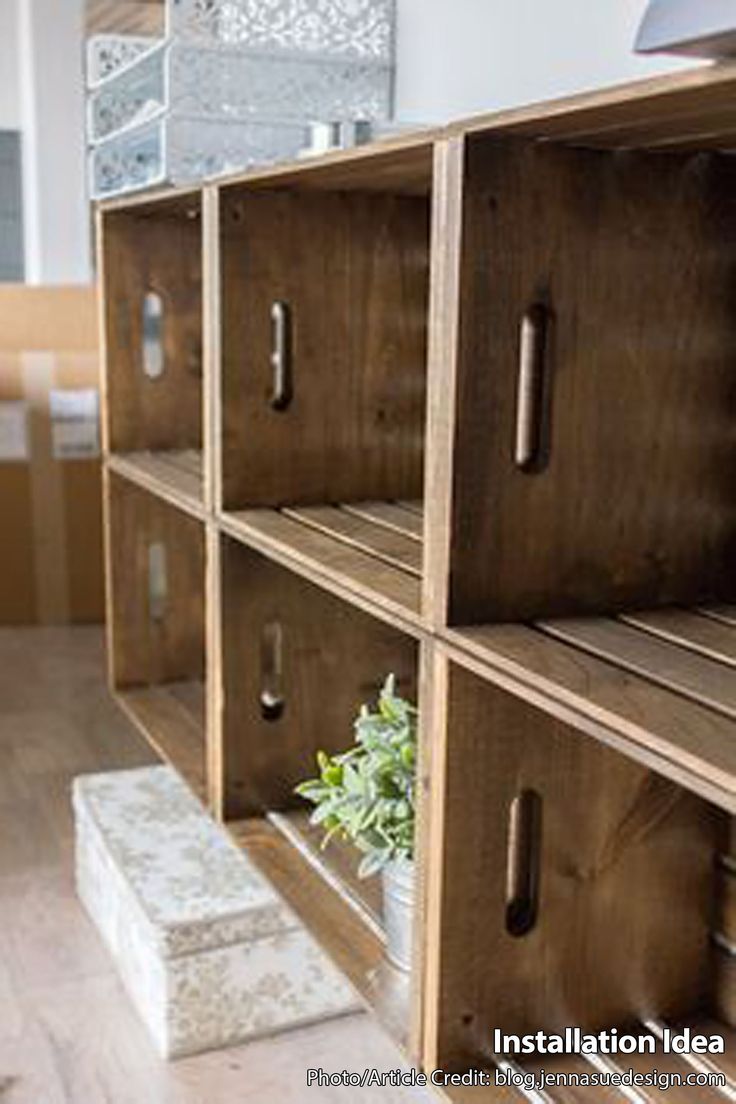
(398, 912)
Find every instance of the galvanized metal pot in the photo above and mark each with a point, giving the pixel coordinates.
(398, 911)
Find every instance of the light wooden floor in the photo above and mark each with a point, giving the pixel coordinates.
(67, 1031)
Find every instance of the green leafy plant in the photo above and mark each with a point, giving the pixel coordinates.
(366, 794)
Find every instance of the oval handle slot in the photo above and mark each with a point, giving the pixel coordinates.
(523, 863)
(158, 584)
(530, 393)
(152, 332)
(282, 389)
(272, 697)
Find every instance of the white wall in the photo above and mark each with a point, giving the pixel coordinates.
(9, 89)
(459, 57)
(56, 211)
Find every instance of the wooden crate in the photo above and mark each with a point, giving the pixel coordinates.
(320, 415)
(595, 334)
(582, 857)
(151, 260)
(297, 662)
(376, 497)
(156, 622)
(601, 807)
(327, 404)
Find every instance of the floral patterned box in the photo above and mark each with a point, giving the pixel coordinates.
(209, 954)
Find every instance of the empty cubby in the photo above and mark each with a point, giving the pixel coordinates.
(297, 664)
(591, 896)
(151, 257)
(324, 302)
(324, 288)
(593, 446)
(156, 623)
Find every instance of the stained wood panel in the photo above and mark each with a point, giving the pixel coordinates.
(333, 657)
(696, 94)
(702, 679)
(336, 864)
(689, 629)
(352, 269)
(367, 580)
(145, 651)
(632, 256)
(171, 717)
(656, 725)
(391, 515)
(159, 251)
(174, 476)
(622, 851)
(357, 531)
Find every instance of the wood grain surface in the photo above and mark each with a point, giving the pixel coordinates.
(353, 270)
(334, 657)
(622, 851)
(365, 580)
(627, 506)
(145, 651)
(159, 252)
(176, 477)
(653, 723)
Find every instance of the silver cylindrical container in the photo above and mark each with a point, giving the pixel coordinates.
(398, 912)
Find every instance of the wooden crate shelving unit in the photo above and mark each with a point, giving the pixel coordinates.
(457, 405)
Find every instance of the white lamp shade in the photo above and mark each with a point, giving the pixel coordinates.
(699, 28)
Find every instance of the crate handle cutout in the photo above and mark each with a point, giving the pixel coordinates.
(153, 335)
(528, 447)
(158, 583)
(283, 391)
(273, 701)
(523, 863)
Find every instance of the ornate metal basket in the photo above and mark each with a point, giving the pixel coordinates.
(234, 83)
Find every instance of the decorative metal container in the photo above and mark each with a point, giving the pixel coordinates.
(220, 83)
(398, 912)
(177, 149)
(233, 84)
(334, 28)
(107, 53)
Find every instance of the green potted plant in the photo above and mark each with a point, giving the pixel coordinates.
(367, 795)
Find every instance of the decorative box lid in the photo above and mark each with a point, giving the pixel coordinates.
(197, 890)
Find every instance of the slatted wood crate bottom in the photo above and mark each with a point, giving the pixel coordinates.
(372, 552)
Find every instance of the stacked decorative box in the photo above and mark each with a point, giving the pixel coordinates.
(208, 952)
(232, 85)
